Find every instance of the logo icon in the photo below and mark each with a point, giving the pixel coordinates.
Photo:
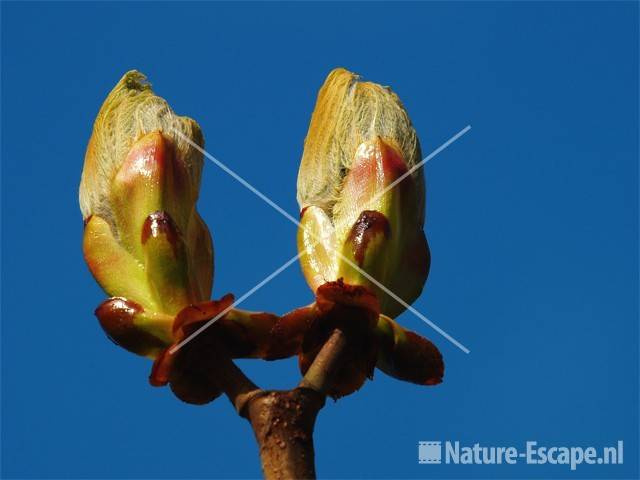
(429, 452)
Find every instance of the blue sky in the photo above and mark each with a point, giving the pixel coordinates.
(532, 218)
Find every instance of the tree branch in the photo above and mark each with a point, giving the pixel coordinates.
(283, 421)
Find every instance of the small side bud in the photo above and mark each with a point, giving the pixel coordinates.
(134, 329)
(406, 355)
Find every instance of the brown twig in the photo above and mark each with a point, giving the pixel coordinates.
(283, 421)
